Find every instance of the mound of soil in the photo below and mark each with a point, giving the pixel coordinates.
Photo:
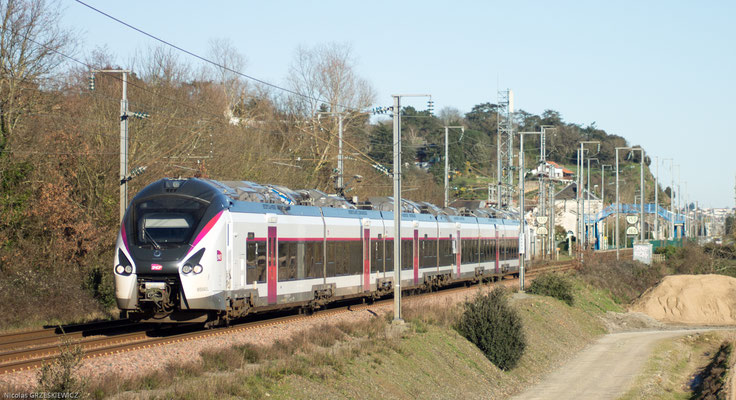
(691, 299)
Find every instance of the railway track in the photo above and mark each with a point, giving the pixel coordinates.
(30, 350)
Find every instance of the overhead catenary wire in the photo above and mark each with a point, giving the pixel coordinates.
(207, 60)
(224, 67)
(369, 159)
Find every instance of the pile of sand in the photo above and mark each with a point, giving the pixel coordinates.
(691, 299)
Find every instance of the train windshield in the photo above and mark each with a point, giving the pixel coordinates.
(167, 220)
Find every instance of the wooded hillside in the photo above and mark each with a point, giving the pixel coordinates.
(60, 145)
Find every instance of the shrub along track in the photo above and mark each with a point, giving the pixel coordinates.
(24, 351)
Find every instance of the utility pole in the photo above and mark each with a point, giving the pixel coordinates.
(618, 204)
(603, 197)
(522, 238)
(587, 225)
(656, 200)
(671, 235)
(397, 208)
(504, 144)
(397, 200)
(124, 114)
(340, 169)
(641, 192)
(552, 213)
(581, 184)
(543, 183)
(679, 197)
(340, 179)
(447, 158)
(124, 146)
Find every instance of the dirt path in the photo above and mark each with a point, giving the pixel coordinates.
(605, 370)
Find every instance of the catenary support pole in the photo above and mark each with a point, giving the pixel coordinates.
(124, 147)
(397, 208)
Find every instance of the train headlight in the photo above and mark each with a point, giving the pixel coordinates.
(120, 269)
(128, 269)
(197, 269)
(186, 269)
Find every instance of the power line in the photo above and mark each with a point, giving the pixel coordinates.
(371, 160)
(208, 60)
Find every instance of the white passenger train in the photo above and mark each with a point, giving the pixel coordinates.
(194, 249)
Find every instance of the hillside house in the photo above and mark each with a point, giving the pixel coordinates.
(556, 171)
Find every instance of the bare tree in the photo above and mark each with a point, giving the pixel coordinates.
(450, 116)
(325, 80)
(31, 41)
(161, 66)
(233, 87)
(326, 75)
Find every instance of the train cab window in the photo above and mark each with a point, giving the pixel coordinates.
(166, 220)
(256, 261)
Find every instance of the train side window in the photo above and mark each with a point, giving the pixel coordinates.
(287, 261)
(331, 258)
(466, 250)
(481, 250)
(376, 255)
(256, 261)
(407, 254)
(313, 259)
(341, 258)
(389, 252)
(354, 257)
(446, 256)
(428, 253)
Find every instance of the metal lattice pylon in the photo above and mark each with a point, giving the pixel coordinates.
(505, 147)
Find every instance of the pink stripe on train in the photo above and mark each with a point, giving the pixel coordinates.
(207, 228)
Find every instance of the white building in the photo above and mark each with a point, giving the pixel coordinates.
(556, 171)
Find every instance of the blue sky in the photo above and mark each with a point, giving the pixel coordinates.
(659, 73)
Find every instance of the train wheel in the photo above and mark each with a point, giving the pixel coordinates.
(306, 310)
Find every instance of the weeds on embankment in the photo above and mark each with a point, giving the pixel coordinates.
(368, 358)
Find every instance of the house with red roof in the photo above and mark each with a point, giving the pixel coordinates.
(553, 170)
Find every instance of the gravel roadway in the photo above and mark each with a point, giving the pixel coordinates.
(605, 370)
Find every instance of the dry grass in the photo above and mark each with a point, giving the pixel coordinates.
(362, 358)
(625, 280)
(669, 372)
(443, 314)
(42, 297)
(317, 353)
